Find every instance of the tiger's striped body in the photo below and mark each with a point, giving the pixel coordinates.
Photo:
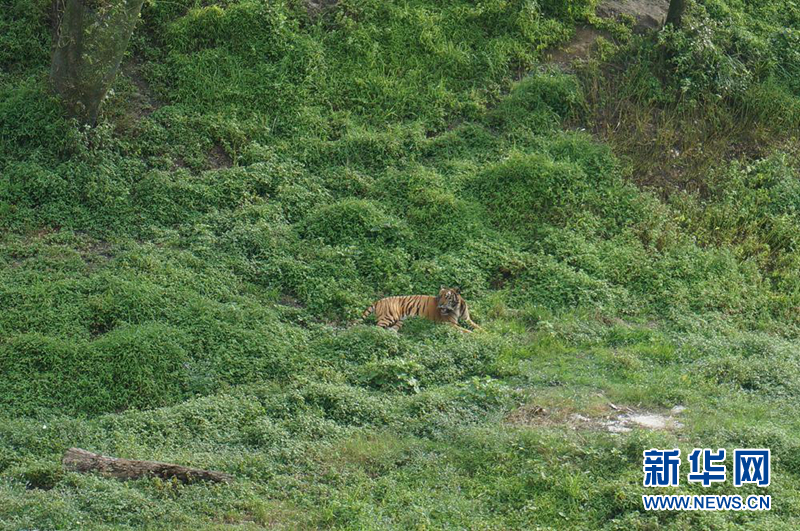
(448, 307)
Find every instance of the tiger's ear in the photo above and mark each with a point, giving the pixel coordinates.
(441, 288)
(457, 290)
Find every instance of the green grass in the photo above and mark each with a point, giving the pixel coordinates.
(183, 282)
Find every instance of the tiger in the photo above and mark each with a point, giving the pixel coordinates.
(447, 307)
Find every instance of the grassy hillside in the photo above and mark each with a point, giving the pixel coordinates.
(182, 283)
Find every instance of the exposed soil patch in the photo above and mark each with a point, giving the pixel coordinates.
(217, 158)
(43, 244)
(579, 47)
(609, 417)
(671, 150)
(503, 275)
(97, 254)
(143, 101)
(648, 15)
(287, 300)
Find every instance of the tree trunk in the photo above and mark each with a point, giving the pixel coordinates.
(82, 461)
(675, 13)
(89, 39)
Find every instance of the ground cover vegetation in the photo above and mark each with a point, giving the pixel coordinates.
(183, 282)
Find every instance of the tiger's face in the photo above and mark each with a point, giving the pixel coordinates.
(447, 301)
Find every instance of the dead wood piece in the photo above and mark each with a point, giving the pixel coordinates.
(82, 461)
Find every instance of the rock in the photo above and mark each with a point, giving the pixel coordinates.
(677, 410)
(651, 421)
(317, 7)
(649, 14)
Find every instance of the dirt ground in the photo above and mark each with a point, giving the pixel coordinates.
(648, 14)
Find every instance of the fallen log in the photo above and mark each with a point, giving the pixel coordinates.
(80, 460)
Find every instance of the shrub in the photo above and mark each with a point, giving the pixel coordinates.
(33, 124)
(354, 221)
(540, 102)
(397, 375)
(136, 367)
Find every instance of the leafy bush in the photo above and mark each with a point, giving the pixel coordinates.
(540, 102)
(33, 124)
(527, 190)
(129, 367)
(353, 221)
(391, 375)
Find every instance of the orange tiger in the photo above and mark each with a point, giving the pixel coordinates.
(448, 307)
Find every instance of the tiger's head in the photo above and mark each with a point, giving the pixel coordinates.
(448, 300)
